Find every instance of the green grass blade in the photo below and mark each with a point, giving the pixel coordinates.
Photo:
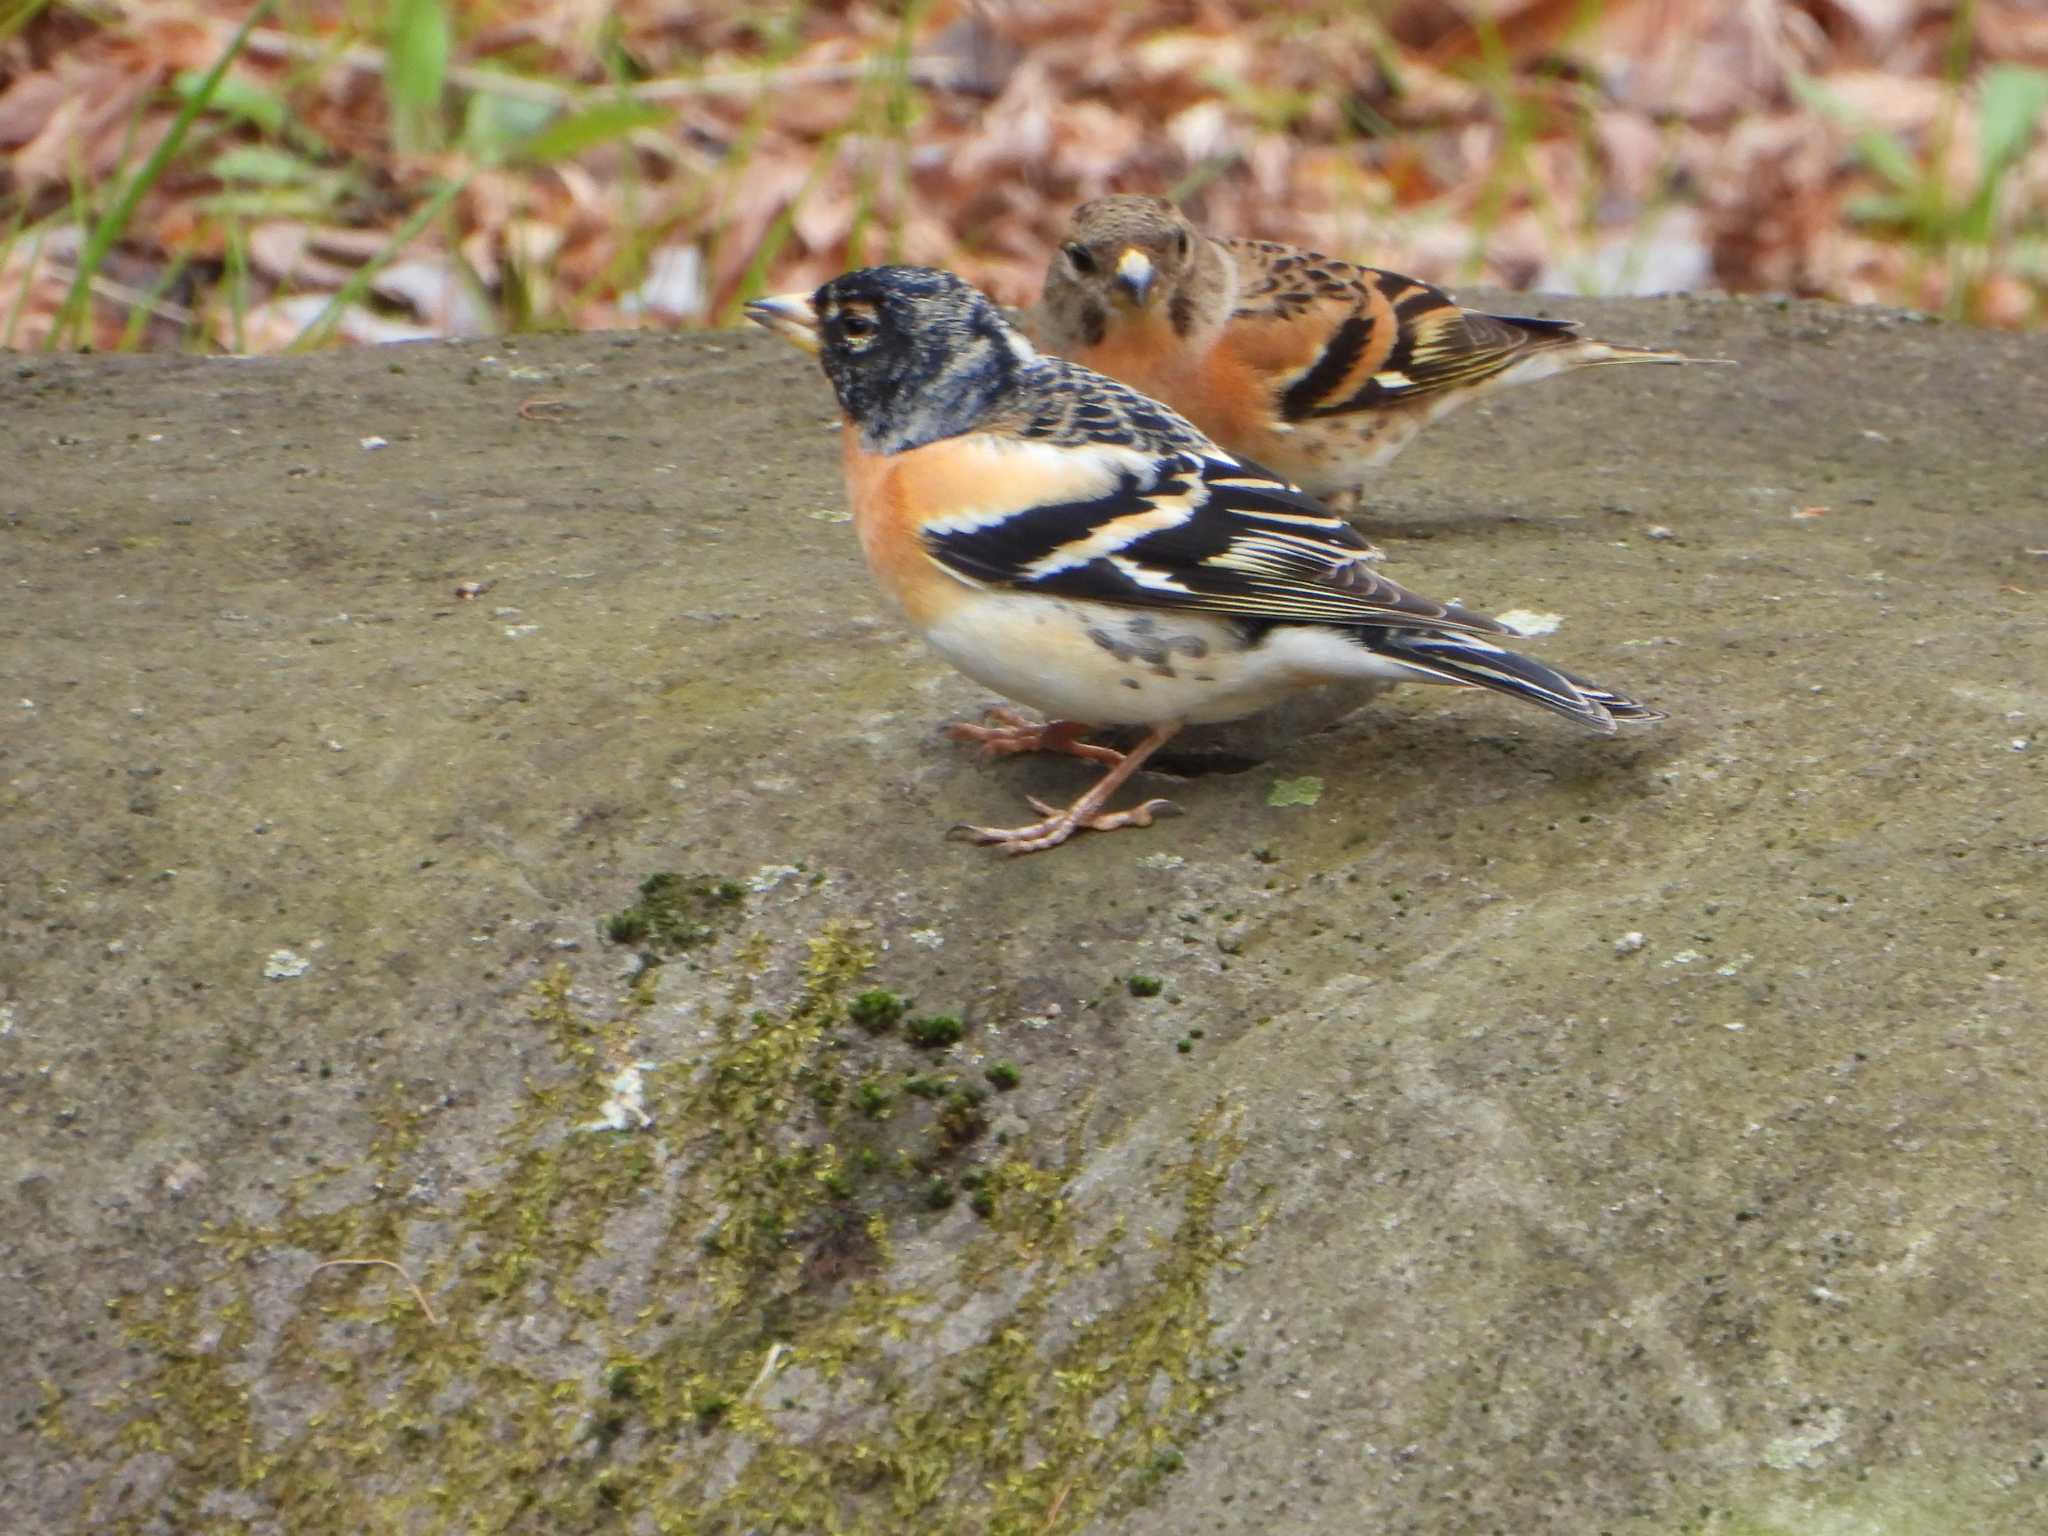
(417, 49)
(567, 137)
(21, 292)
(141, 314)
(21, 16)
(1891, 160)
(240, 98)
(71, 315)
(320, 328)
(2014, 97)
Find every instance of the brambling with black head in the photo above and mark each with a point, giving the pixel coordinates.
(1088, 553)
(1317, 368)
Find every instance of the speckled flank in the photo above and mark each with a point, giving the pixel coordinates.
(1146, 638)
(1104, 665)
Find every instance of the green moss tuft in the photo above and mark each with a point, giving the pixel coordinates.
(960, 1121)
(1145, 986)
(877, 1010)
(676, 913)
(936, 1031)
(872, 1097)
(1003, 1075)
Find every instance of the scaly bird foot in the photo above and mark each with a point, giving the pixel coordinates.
(1059, 825)
(1086, 813)
(1013, 733)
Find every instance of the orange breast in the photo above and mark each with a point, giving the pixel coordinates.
(1234, 405)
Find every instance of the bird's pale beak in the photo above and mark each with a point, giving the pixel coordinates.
(790, 316)
(1135, 275)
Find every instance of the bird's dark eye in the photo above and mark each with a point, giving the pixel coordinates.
(1082, 261)
(857, 327)
(1180, 243)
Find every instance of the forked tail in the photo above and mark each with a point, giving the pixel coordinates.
(1584, 351)
(1469, 661)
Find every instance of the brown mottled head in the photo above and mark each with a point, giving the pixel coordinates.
(1126, 256)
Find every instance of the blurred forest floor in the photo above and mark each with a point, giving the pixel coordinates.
(220, 176)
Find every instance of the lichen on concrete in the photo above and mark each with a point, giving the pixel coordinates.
(753, 1366)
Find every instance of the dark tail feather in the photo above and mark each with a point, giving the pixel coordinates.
(1477, 663)
(1548, 335)
(1622, 709)
(1537, 327)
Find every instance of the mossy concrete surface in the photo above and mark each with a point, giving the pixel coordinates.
(1532, 1131)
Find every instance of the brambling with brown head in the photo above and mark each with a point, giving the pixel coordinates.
(1319, 369)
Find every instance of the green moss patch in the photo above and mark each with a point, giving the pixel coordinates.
(694, 1327)
(675, 913)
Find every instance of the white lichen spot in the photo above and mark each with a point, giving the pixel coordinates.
(519, 631)
(1162, 861)
(1630, 942)
(1528, 623)
(1804, 1445)
(929, 938)
(625, 1109)
(769, 876)
(1684, 957)
(372, 444)
(7, 1020)
(284, 964)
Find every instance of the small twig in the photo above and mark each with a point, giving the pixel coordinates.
(1052, 1515)
(545, 408)
(417, 1294)
(374, 61)
(324, 324)
(776, 1353)
(135, 298)
(939, 74)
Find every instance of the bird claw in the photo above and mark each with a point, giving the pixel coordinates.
(1012, 733)
(1059, 825)
(1138, 816)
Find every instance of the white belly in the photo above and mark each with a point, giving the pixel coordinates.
(1107, 665)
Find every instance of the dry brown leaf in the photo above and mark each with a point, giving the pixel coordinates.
(27, 106)
(282, 250)
(1289, 110)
